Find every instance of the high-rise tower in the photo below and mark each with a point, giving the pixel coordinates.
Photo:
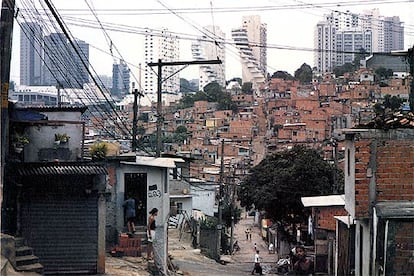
(31, 51)
(62, 65)
(206, 49)
(120, 79)
(251, 40)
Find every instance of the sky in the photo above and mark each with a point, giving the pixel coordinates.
(290, 27)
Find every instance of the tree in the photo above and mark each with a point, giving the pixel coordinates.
(247, 88)
(278, 182)
(383, 73)
(282, 75)
(346, 68)
(186, 86)
(390, 103)
(304, 73)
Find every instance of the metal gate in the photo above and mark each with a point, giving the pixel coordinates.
(60, 222)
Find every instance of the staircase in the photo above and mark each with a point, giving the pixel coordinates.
(25, 260)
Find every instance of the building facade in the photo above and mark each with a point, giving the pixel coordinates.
(62, 64)
(120, 79)
(210, 50)
(31, 50)
(251, 41)
(342, 35)
(163, 46)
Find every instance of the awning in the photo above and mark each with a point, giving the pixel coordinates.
(320, 201)
(395, 209)
(348, 220)
(54, 169)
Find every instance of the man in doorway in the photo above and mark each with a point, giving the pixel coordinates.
(130, 213)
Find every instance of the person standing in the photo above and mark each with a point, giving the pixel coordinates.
(257, 267)
(151, 233)
(130, 213)
(247, 233)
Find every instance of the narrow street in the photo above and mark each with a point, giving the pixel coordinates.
(191, 262)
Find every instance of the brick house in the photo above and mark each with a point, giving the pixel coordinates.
(379, 194)
(323, 228)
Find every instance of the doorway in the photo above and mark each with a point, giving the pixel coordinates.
(136, 186)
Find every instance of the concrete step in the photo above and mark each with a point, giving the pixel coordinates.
(36, 268)
(19, 242)
(26, 260)
(23, 251)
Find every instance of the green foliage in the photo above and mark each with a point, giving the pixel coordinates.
(390, 103)
(99, 151)
(247, 88)
(227, 214)
(20, 139)
(383, 73)
(304, 74)
(208, 223)
(213, 92)
(62, 137)
(278, 182)
(140, 130)
(346, 68)
(361, 55)
(282, 75)
(186, 86)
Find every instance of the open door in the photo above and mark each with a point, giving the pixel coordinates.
(136, 186)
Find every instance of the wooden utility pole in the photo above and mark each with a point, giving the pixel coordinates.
(160, 64)
(6, 30)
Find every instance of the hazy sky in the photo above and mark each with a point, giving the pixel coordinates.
(290, 25)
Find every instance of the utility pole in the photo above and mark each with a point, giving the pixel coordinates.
(233, 197)
(6, 30)
(137, 96)
(220, 201)
(160, 64)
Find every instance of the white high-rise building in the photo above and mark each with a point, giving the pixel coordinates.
(165, 47)
(31, 51)
(205, 49)
(347, 34)
(251, 40)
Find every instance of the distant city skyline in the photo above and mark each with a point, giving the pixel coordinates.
(290, 29)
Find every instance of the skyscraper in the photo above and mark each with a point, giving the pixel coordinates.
(31, 39)
(205, 49)
(251, 40)
(120, 79)
(164, 46)
(62, 64)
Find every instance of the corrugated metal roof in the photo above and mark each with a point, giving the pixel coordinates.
(329, 200)
(161, 162)
(61, 170)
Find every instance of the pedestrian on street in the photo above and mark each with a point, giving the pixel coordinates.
(247, 231)
(151, 233)
(129, 205)
(257, 267)
(255, 247)
(271, 248)
(250, 234)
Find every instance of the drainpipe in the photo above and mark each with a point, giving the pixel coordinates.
(372, 198)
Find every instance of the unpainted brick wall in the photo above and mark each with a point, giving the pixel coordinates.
(400, 251)
(394, 172)
(325, 216)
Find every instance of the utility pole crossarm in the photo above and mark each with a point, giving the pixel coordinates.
(177, 63)
(160, 64)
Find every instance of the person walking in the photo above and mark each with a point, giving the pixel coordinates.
(151, 233)
(129, 205)
(257, 267)
(247, 231)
